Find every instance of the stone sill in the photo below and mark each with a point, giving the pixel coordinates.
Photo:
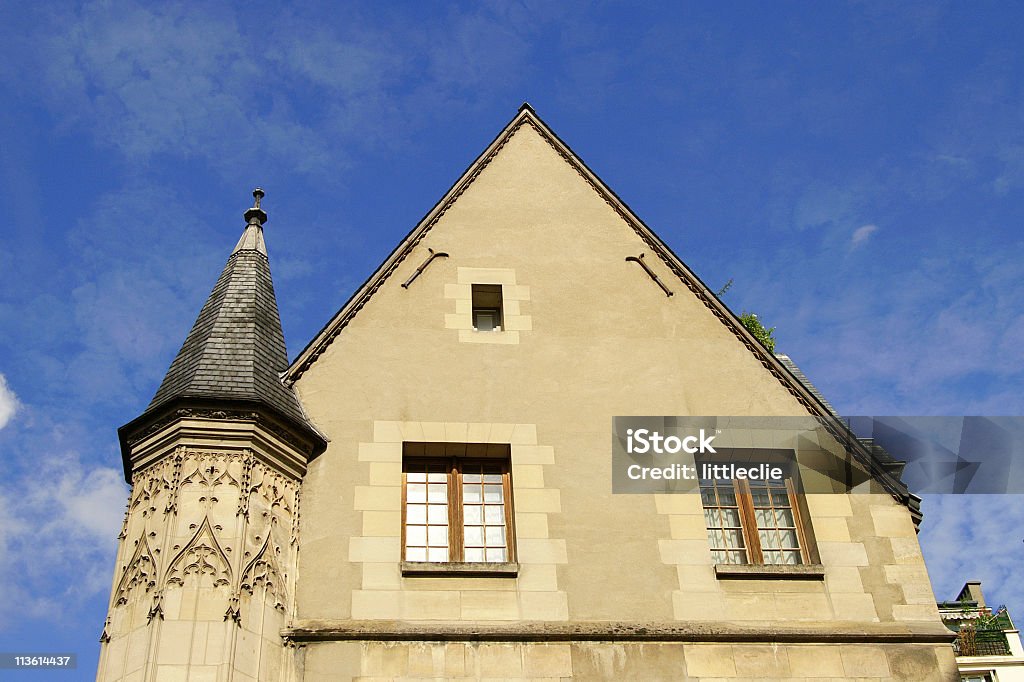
(763, 572)
(435, 569)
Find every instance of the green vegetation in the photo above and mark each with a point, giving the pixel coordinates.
(760, 332)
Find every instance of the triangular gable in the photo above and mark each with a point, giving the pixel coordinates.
(526, 116)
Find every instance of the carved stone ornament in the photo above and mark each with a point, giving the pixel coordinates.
(202, 555)
(140, 571)
(264, 570)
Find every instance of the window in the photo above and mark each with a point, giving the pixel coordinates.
(487, 307)
(754, 522)
(457, 503)
(975, 677)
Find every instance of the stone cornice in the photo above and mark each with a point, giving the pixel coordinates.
(200, 421)
(839, 632)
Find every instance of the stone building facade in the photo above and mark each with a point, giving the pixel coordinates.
(425, 491)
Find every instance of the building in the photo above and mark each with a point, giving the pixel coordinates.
(988, 646)
(425, 491)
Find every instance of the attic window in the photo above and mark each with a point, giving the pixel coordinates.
(487, 307)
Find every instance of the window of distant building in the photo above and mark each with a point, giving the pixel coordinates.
(487, 307)
(754, 522)
(457, 503)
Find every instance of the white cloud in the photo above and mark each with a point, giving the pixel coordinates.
(8, 402)
(975, 537)
(58, 536)
(861, 234)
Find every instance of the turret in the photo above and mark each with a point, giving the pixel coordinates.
(206, 564)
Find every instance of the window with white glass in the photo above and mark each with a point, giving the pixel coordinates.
(456, 509)
(754, 522)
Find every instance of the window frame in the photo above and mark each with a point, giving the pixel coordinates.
(454, 465)
(749, 530)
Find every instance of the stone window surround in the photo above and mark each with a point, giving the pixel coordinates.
(512, 295)
(533, 594)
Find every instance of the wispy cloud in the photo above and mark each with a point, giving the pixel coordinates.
(861, 234)
(8, 402)
(62, 514)
(975, 537)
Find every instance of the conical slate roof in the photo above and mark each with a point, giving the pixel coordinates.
(236, 349)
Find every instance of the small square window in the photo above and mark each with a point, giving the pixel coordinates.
(487, 307)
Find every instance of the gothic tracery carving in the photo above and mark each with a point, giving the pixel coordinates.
(140, 571)
(264, 570)
(202, 556)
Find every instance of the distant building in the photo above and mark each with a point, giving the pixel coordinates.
(988, 646)
(425, 491)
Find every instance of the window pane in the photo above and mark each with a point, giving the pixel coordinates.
(437, 536)
(495, 514)
(416, 477)
(780, 498)
(472, 494)
(492, 478)
(474, 554)
(712, 518)
(772, 557)
(415, 536)
(471, 478)
(788, 539)
(438, 514)
(474, 536)
(495, 536)
(769, 539)
(437, 554)
(734, 557)
(784, 518)
(716, 538)
(415, 513)
(472, 514)
(726, 497)
(765, 518)
(415, 554)
(438, 492)
(492, 493)
(792, 558)
(485, 320)
(416, 492)
(707, 496)
(733, 538)
(497, 555)
(731, 518)
(438, 478)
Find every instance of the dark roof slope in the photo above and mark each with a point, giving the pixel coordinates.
(236, 349)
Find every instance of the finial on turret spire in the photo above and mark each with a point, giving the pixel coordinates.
(256, 214)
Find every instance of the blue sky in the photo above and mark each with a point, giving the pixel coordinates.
(857, 169)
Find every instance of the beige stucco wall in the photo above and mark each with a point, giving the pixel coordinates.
(594, 337)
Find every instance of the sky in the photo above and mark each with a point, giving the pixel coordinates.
(856, 169)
